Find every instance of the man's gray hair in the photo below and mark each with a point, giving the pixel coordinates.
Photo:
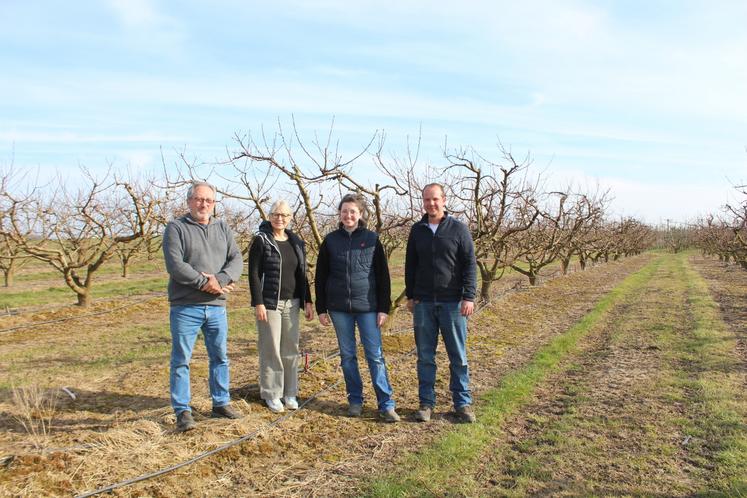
(200, 184)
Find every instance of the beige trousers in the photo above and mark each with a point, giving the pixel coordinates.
(277, 343)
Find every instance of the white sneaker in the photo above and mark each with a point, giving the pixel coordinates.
(275, 405)
(291, 402)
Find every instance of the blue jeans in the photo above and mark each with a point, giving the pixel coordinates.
(186, 321)
(429, 318)
(344, 324)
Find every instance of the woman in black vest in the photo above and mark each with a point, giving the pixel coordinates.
(278, 286)
(353, 287)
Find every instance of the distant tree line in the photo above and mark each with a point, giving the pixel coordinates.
(724, 234)
(515, 222)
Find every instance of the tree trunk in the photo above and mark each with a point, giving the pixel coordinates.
(83, 299)
(396, 305)
(564, 264)
(532, 278)
(84, 292)
(487, 282)
(485, 287)
(8, 275)
(125, 264)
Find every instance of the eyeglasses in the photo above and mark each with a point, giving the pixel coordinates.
(200, 200)
(284, 216)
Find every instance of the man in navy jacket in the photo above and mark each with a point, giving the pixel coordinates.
(440, 284)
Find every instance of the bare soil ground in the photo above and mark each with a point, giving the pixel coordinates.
(121, 426)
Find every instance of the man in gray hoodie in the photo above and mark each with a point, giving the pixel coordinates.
(203, 262)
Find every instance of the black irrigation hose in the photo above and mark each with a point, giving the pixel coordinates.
(478, 308)
(206, 454)
(243, 438)
(69, 449)
(77, 317)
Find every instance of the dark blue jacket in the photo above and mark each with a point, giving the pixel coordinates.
(265, 264)
(440, 266)
(352, 274)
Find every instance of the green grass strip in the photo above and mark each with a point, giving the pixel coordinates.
(444, 467)
(718, 389)
(63, 294)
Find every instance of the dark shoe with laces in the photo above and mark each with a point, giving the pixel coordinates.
(184, 421)
(355, 410)
(466, 415)
(225, 412)
(424, 413)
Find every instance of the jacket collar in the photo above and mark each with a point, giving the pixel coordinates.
(424, 219)
(266, 228)
(188, 218)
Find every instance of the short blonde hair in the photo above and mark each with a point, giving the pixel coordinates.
(280, 204)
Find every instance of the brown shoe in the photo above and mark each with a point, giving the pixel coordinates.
(184, 421)
(225, 412)
(466, 415)
(424, 413)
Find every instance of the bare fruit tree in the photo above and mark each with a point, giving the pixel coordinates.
(286, 165)
(499, 204)
(714, 236)
(542, 244)
(146, 217)
(579, 224)
(12, 255)
(76, 230)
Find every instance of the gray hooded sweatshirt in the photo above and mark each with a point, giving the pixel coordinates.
(190, 248)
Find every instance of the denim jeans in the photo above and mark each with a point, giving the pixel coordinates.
(429, 318)
(370, 333)
(186, 321)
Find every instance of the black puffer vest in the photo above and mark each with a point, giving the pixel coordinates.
(351, 285)
(271, 265)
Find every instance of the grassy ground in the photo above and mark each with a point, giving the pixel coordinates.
(584, 386)
(117, 365)
(38, 285)
(445, 466)
(652, 402)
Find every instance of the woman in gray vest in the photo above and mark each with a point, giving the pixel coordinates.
(278, 286)
(353, 287)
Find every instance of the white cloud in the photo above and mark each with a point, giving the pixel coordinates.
(657, 202)
(136, 13)
(140, 160)
(595, 83)
(58, 137)
(149, 30)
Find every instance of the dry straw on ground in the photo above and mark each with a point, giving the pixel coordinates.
(124, 416)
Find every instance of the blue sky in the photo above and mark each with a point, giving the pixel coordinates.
(646, 98)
